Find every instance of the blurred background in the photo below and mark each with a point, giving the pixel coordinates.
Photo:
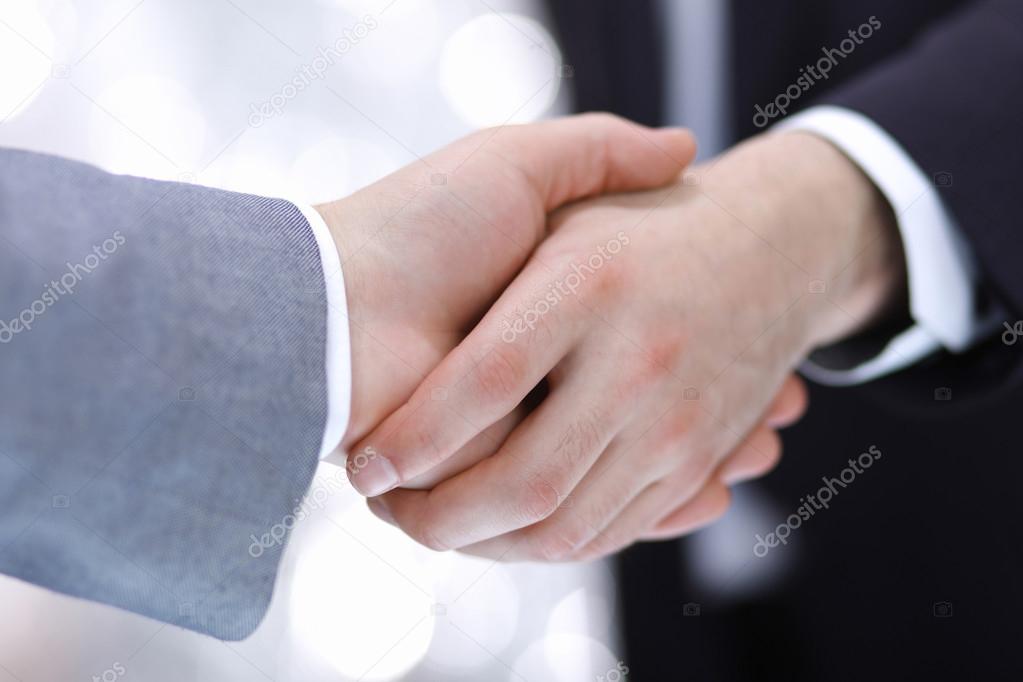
(911, 574)
(309, 100)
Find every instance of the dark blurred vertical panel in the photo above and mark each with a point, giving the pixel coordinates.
(913, 573)
(614, 49)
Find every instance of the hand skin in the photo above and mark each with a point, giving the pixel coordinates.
(426, 250)
(707, 286)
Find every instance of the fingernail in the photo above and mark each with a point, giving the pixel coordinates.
(380, 510)
(376, 477)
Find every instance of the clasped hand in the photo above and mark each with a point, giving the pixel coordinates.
(563, 344)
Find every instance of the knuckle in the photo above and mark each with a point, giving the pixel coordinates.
(602, 280)
(676, 432)
(538, 501)
(657, 361)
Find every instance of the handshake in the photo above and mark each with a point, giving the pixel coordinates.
(566, 339)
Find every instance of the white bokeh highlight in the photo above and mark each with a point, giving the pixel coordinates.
(26, 53)
(148, 124)
(499, 69)
(361, 609)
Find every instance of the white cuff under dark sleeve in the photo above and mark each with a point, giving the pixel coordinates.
(939, 263)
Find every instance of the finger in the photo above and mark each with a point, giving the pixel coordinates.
(646, 509)
(754, 457)
(579, 530)
(484, 378)
(707, 506)
(624, 471)
(524, 482)
(789, 404)
(479, 448)
(579, 156)
(596, 501)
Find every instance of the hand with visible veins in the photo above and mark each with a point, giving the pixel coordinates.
(665, 323)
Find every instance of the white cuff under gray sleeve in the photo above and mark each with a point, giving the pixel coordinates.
(939, 264)
(339, 356)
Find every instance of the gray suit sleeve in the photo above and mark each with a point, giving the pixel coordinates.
(162, 352)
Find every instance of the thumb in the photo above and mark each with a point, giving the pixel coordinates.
(570, 158)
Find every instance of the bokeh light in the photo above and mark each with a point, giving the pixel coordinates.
(481, 605)
(148, 125)
(364, 610)
(26, 54)
(499, 69)
(563, 657)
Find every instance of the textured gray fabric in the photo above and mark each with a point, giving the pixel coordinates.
(168, 406)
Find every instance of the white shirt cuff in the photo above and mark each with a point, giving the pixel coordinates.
(339, 357)
(939, 263)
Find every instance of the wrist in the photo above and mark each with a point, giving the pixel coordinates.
(855, 233)
(815, 206)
